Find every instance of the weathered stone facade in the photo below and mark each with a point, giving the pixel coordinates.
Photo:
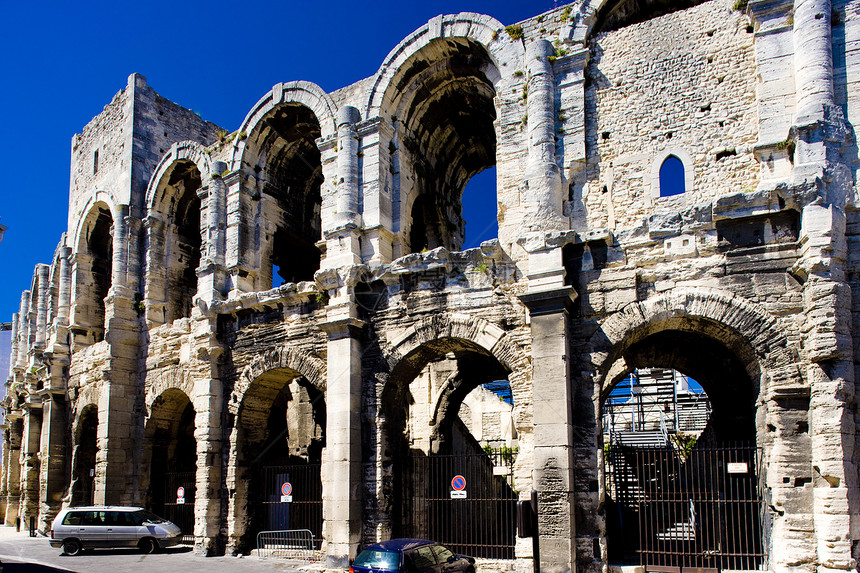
(154, 342)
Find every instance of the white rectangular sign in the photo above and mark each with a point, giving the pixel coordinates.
(180, 500)
(737, 467)
(501, 470)
(286, 499)
(458, 494)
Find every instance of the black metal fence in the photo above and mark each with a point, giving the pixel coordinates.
(465, 502)
(292, 498)
(689, 509)
(180, 509)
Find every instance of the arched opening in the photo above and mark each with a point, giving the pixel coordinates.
(672, 177)
(670, 500)
(449, 413)
(177, 201)
(173, 467)
(283, 153)
(84, 456)
(93, 273)
(280, 436)
(621, 13)
(480, 209)
(446, 113)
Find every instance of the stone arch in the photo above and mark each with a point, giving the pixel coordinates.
(311, 367)
(174, 211)
(482, 29)
(607, 15)
(84, 454)
(278, 154)
(187, 150)
(304, 93)
(748, 330)
(271, 397)
(459, 62)
(104, 197)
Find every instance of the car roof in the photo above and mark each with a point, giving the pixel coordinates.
(400, 544)
(103, 508)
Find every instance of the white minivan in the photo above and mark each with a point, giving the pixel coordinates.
(79, 528)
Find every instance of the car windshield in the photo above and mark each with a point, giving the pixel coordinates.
(148, 516)
(378, 559)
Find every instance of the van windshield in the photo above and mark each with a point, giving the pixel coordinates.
(143, 515)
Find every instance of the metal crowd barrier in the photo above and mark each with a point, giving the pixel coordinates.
(295, 544)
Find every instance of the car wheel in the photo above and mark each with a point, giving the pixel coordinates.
(72, 547)
(148, 545)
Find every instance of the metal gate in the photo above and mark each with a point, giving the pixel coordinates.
(480, 520)
(685, 509)
(292, 498)
(180, 509)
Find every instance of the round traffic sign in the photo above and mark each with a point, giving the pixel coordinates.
(180, 491)
(458, 483)
(287, 488)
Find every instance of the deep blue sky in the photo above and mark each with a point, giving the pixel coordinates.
(63, 61)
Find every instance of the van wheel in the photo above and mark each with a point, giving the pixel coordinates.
(72, 547)
(148, 545)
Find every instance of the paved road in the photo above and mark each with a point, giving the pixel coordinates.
(17, 549)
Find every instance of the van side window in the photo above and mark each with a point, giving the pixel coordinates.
(73, 518)
(94, 518)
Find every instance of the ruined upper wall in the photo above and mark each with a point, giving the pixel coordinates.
(681, 84)
(130, 136)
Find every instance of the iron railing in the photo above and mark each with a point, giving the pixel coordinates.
(304, 511)
(180, 511)
(700, 508)
(294, 544)
(480, 521)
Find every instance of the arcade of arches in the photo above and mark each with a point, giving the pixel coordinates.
(280, 328)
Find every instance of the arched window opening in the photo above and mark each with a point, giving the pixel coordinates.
(92, 275)
(185, 243)
(672, 177)
(681, 464)
(290, 175)
(447, 137)
(449, 412)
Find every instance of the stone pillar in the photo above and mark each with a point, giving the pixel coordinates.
(826, 331)
(813, 57)
(42, 301)
(342, 476)
(543, 195)
(30, 462)
(23, 332)
(347, 167)
(553, 425)
(211, 275)
(52, 456)
(13, 470)
(238, 215)
(155, 283)
(13, 356)
(209, 435)
(65, 299)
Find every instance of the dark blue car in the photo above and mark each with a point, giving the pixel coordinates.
(411, 556)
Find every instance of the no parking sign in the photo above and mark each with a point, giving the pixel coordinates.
(180, 495)
(458, 487)
(286, 492)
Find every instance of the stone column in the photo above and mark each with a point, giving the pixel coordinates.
(13, 356)
(42, 301)
(65, 299)
(52, 456)
(30, 463)
(238, 216)
(211, 275)
(342, 477)
(23, 331)
(813, 57)
(155, 283)
(209, 435)
(13, 470)
(553, 425)
(543, 195)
